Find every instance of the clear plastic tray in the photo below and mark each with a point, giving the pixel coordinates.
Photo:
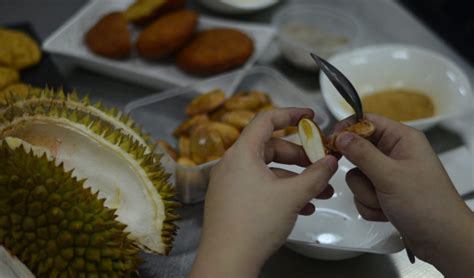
(161, 113)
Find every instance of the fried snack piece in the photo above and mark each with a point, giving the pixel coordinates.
(187, 126)
(167, 34)
(8, 76)
(238, 118)
(185, 161)
(144, 11)
(263, 98)
(206, 143)
(291, 130)
(184, 146)
(266, 108)
(110, 36)
(168, 149)
(279, 133)
(19, 89)
(215, 50)
(206, 103)
(364, 128)
(17, 49)
(216, 115)
(244, 102)
(228, 133)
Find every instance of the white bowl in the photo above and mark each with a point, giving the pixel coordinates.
(389, 66)
(336, 231)
(238, 6)
(306, 19)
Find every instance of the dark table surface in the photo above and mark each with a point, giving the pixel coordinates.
(386, 21)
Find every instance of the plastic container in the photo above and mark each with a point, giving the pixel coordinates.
(161, 113)
(326, 23)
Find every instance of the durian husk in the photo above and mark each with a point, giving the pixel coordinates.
(34, 97)
(55, 226)
(106, 148)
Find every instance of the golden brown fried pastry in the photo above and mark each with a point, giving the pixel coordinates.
(184, 146)
(206, 103)
(279, 133)
(206, 143)
(19, 89)
(216, 115)
(215, 50)
(185, 161)
(263, 98)
(291, 130)
(228, 133)
(144, 11)
(110, 36)
(168, 149)
(364, 128)
(186, 127)
(266, 108)
(167, 34)
(238, 118)
(243, 102)
(17, 49)
(8, 76)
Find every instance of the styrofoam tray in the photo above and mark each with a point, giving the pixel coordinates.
(68, 41)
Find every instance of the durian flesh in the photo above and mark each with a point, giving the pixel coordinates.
(100, 148)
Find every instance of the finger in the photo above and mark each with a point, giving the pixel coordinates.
(307, 210)
(282, 173)
(370, 214)
(281, 151)
(260, 130)
(362, 188)
(364, 155)
(314, 179)
(327, 193)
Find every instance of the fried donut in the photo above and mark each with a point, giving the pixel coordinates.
(110, 36)
(167, 34)
(215, 50)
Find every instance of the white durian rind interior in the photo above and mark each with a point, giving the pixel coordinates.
(108, 169)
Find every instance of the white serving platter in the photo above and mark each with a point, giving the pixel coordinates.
(68, 41)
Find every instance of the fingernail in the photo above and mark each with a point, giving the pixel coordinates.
(331, 162)
(344, 139)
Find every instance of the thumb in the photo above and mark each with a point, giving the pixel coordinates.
(314, 179)
(363, 154)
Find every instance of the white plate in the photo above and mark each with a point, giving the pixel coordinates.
(68, 41)
(238, 6)
(336, 231)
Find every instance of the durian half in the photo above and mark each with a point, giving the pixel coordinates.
(105, 148)
(52, 224)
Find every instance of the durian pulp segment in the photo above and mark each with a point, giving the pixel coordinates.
(107, 168)
(11, 267)
(46, 97)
